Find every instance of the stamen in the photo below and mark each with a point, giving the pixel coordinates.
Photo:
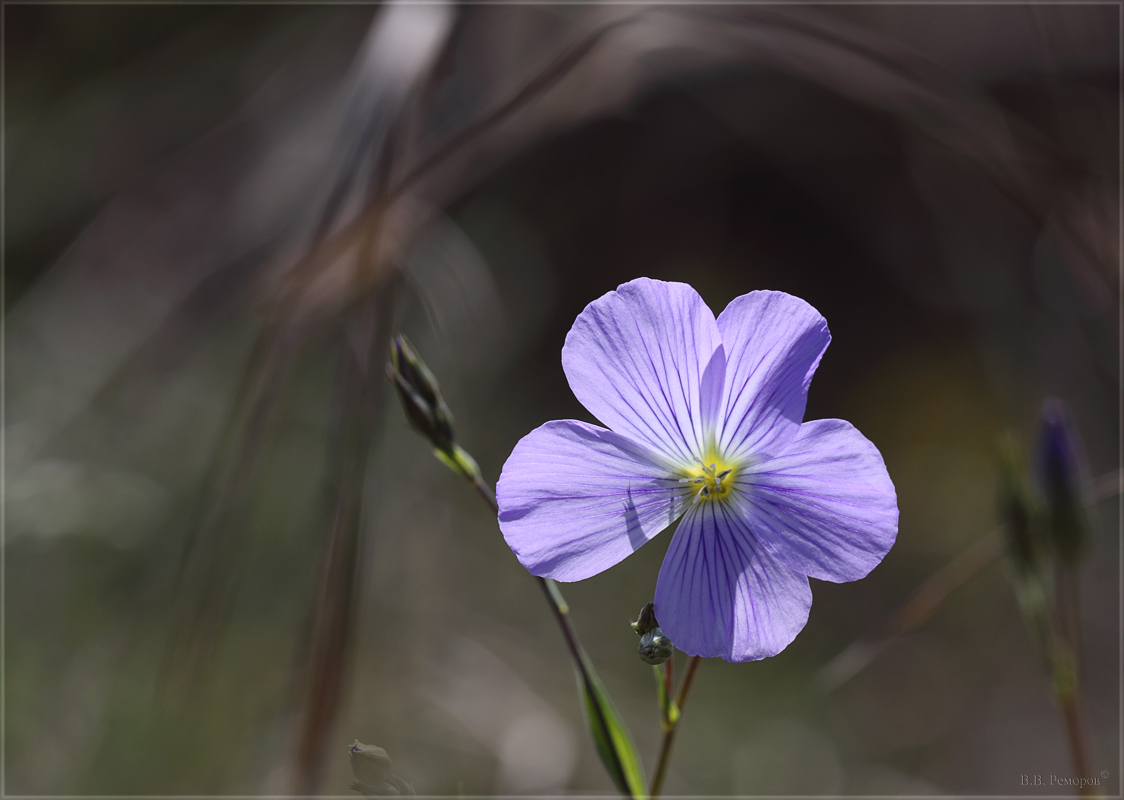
(710, 481)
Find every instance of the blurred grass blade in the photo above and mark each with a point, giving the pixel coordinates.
(331, 621)
(610, 735)
(214, 555)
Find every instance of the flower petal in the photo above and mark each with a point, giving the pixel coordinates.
(721, 593)
(575, 499)
(826, 506)
(773, 344)
(647, 361)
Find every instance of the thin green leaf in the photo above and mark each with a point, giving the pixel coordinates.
(610, 735)
(669, 711)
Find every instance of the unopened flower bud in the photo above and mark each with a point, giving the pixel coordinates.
(646, 621)
(420, 395)
(1059, 470)
(374, 770)
(655, 647)
(371, 765)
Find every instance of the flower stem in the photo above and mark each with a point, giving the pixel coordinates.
(1075, 733)
(669, 735)
(924, 602)
(561, 611)
(488, 496)
(1067, 672)
(554, 598)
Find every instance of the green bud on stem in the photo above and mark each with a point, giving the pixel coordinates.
(425, 407)
(374, 772)
(370, 764)
(420, 395)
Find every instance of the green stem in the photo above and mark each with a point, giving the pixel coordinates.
(924, 602)
(669, 735)
(1067, 660)
(486, 493)
(561, 611)
(558, 604)
(1075, 733)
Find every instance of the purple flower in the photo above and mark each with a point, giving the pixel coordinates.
(706, 424)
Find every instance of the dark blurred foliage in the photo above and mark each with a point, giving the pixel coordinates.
(227, 557)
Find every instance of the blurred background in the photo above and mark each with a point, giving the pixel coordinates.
(226, 557)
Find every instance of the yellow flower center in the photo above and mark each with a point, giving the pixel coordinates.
(711, 479)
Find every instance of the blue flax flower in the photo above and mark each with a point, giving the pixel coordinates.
(706, 423)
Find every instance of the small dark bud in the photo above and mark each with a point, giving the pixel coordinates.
(1059, 470)
(420, 395)
(655, 648)
(646, 621)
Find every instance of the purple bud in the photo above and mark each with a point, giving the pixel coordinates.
(1059, 470)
